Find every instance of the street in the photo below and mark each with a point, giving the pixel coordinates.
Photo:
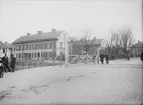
(119, 82)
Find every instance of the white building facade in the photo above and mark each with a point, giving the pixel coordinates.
(40, 45)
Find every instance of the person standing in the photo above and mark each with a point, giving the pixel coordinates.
(13, 61)
(107, 58)
(5, 62)
(102, 58)
(1, 68)
(141, 57)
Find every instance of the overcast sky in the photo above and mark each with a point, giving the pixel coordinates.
(17, 17)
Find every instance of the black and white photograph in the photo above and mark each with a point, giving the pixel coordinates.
(71, 52)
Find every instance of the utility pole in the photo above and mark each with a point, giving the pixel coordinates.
(53, 53)
(60, 54)
(66, 51)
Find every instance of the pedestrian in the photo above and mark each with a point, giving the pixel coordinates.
(141, 56)
(107, 58)
(13, 61)
(5, 62)
(1, 68)
(102, 58)
(128, 57)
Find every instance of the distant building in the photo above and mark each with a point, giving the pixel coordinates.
(40, 45)
(5, 48)
(76, 47)
(137, 48)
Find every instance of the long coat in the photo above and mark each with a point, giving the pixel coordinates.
(1, 66)
(5, 60)
(13, 61)
(101, 57)
(141, 57)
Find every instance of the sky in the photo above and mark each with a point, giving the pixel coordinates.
(17, 17)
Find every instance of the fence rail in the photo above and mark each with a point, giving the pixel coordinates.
(76, 59)
(25, 64)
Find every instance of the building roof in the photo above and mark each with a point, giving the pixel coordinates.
(6, 45)
(37, 37)
(96, 43)
(137, 45)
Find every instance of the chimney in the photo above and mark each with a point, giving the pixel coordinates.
(53, 30)
(94, 38)
(39, 32)
(28, 34)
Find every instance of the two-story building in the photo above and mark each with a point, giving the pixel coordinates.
(5, 48)
(76, 47)
(137, 49)
(41, 45)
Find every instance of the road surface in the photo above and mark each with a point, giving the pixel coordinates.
(120, 82)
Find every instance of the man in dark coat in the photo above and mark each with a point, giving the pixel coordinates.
(107, 58)
(13, 61)
(141, 57)
(1, 68)
(102, 58)
(5, 62)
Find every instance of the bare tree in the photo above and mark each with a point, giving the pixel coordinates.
(116, 42)
(75, 46)
(109, 43)
(127, 40)
(86, 41)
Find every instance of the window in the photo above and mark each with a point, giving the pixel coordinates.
(20, 56)
(28, 47)
(44, 46)
(17, 47)
(38, 54)
(32, 55)
(14, 48)
(21, 47)
(25, 47)
(3, 50)
(48, 45)
(51, 54)
(35, 55)
(51, 44)
(40, 46)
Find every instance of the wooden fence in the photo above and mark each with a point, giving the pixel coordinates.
(25, 64)
(85, 59)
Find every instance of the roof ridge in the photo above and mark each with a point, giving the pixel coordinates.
(35, 37)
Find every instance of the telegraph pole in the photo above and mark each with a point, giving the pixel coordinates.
(66, 51)
(53, 53)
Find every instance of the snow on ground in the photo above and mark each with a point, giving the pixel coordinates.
(120, 82)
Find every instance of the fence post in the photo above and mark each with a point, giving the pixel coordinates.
(66, 52)
(60, 59)
(53, 54)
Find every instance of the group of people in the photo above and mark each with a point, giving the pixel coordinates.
(5, 65)
(104, 56)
